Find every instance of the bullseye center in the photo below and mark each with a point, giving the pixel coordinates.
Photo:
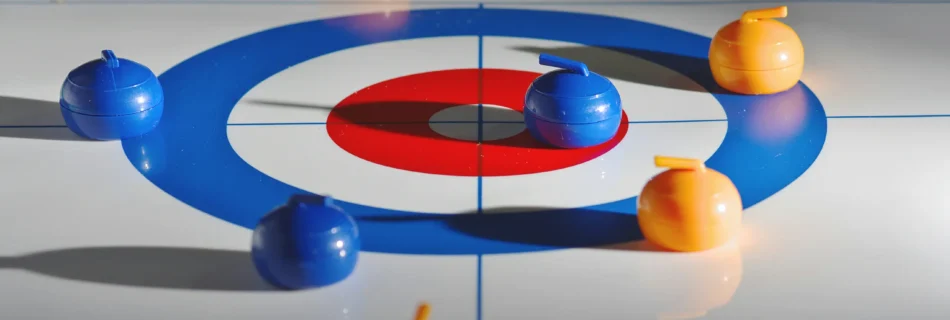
(461, 122)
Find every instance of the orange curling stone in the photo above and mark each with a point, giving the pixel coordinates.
(757, 54)
(689, 207)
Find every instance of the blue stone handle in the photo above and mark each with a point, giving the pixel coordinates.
(563, 63)
(110, 58)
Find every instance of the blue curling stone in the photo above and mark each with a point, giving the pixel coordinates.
(111, 98)
(571, 107)
(307, 243)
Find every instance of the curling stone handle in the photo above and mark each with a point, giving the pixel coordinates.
(563, 63)
(304, 200)
(109, 57)
(766, 13)
(679, 163)
(422, 312)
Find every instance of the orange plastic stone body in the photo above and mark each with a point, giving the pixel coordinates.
(689, 207)
(757, 54)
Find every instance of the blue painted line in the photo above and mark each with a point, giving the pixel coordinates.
(478, 290)
(629, 122)
(481, 123)
(480, 84)
(480, 132)
(252, 124)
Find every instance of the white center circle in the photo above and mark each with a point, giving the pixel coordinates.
(461, 122)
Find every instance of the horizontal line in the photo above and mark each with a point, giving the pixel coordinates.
(688, 3)
(447, 122)
(32, 126)
(356, 123)
(675, 121)
(474, 122)
(892, 116)
(365, 123)
(252, 124)
(461, 3)
(276, 124)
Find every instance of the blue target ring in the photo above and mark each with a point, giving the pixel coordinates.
(189, 156)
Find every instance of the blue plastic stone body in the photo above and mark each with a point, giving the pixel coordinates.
(566, 135)
(572, 107)
(307, 243)
(111, 98)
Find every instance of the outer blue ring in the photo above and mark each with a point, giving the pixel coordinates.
(189, 157)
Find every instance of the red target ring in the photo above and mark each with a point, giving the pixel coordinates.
(388, 124)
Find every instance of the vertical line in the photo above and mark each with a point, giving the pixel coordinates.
(480, 86)
(478, 276)
(480, 112)
(478, 301)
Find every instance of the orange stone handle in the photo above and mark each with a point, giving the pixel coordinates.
(766, 13)
(679, 163)
(422, 313)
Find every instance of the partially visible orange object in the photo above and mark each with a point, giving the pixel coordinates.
(689, 207)
(422, 313)
(757, 54)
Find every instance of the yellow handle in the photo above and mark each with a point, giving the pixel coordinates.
(767, 13)
(679, 163)
(422, 313)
